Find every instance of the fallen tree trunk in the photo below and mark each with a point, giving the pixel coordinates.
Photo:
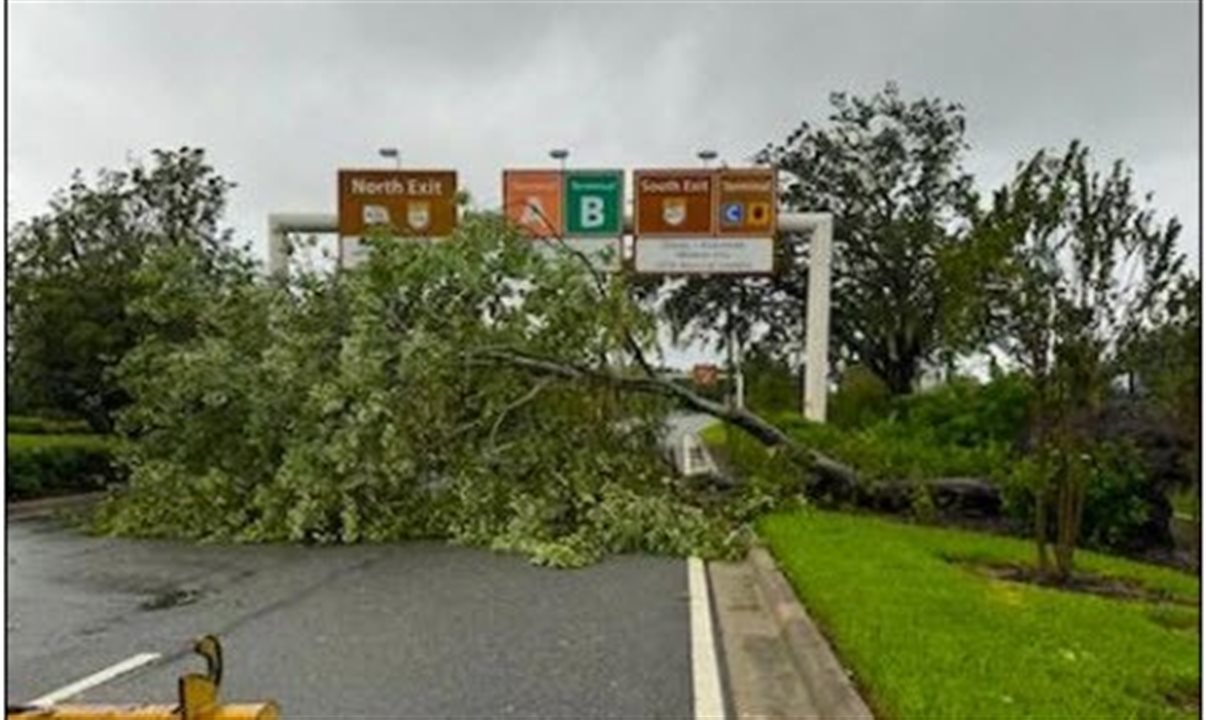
(827, 477)
(823, 477)
(960, 497)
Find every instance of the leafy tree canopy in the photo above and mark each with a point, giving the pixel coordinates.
(1068, 265)
(72, 277)
(889, 170)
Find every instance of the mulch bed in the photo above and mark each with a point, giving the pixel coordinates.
(1111, 587)
(1186, 697)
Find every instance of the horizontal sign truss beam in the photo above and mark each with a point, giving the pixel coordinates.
(816, 363)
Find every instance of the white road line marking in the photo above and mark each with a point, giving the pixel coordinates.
(97, 678)
(705, 673)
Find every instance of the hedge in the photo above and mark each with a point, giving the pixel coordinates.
(47, 465)
(30, 425)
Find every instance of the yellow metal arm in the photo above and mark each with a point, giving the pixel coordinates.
(198, 699)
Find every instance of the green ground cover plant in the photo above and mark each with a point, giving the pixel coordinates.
(928, 636)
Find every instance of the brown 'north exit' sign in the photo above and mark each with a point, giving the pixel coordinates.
(415, 203)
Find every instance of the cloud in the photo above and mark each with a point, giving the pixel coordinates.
(282, 95)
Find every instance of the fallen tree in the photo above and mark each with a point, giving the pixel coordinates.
(823, 478)
(467, 390)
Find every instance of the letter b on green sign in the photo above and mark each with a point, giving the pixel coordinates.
(594, 203)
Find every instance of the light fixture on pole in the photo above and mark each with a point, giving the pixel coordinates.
(706, 156)
(391, 152)
(559, 154)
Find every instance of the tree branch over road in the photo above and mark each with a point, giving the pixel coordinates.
(827, 469)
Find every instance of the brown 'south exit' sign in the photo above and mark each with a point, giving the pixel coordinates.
(673, 203)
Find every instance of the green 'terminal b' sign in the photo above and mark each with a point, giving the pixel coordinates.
(594, 203)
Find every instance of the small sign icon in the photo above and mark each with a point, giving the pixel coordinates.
(418, 214)
(674, 210)
(533, 212)
(759, 213)
(374, 215)
(734, 212)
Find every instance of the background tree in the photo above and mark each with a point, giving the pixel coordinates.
(889, 170)
(72, 275)
(737, 314)
(1069, 264)
(1165, 357)
(731, 314)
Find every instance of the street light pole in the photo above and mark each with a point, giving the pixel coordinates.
(706, 156)
(559, 154)
(391, 152)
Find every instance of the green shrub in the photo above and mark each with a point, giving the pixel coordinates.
(29, 425)
(896, 450)
(967, 413)
(1116, 505)
(47, 465)
(1118, 500)
(765, 473)
(861, 398)
(770, 386)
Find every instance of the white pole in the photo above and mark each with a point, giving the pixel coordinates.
(278, 263)
(686, 468)
(739, 371)
(279, 224)
(816, 361)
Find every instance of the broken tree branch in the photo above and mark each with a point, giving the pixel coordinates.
(835, 476)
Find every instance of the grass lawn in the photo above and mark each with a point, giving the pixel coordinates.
(927, 638)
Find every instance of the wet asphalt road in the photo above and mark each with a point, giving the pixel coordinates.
(407, 630)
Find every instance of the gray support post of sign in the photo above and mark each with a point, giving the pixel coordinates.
(816, 354)
(281, 224)
(816, 329)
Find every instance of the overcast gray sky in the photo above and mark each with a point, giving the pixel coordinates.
(281, 95)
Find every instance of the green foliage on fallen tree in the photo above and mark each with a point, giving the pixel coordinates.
(379, 404)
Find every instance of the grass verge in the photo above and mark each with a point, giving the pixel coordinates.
(928, 638)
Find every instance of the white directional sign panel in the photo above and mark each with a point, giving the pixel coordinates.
(706, 256)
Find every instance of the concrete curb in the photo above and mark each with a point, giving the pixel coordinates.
(827, 681)
(48, 506)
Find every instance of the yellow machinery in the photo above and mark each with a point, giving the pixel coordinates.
(198, 696)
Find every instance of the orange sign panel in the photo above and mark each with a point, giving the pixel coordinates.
(674, 203)
(746, 202)
(418, 203)
(532, 199)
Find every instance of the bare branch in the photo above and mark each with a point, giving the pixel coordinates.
(556, 240)
(527, 397)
